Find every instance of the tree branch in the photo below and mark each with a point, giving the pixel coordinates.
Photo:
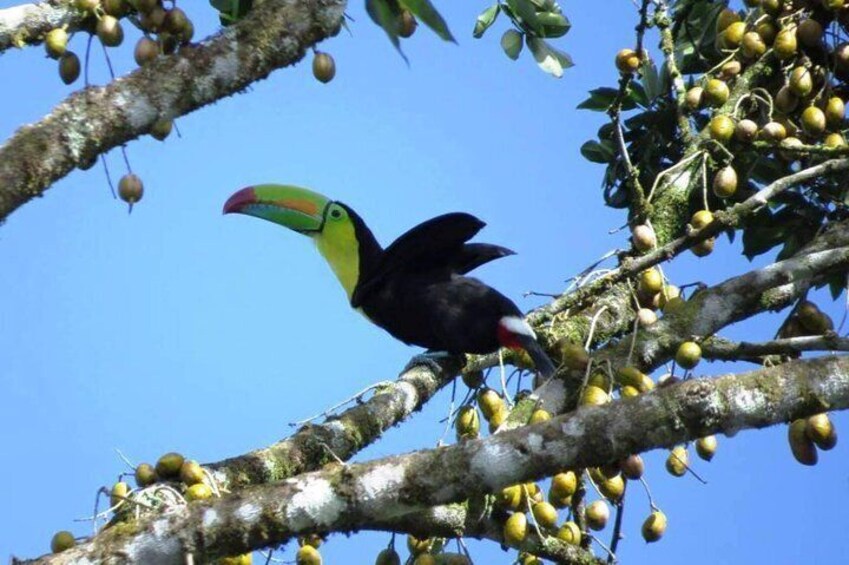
(91, 121)
(28, 23)
(348, 497)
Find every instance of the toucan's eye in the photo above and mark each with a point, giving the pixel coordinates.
(336, 213)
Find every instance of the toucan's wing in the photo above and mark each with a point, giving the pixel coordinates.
(473, 255)
(437, 243)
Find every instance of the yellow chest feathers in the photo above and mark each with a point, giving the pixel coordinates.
(337, 243)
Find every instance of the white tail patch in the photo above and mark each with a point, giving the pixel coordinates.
(516, 325)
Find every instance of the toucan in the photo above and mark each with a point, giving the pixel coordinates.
(416, 288)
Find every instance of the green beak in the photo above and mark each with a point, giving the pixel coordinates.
(296, 208)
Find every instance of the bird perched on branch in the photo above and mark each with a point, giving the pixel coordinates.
(416, 288)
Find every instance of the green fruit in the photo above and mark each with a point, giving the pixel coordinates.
(573, 355)
(545, 514)
(654, 527)
(612, 488)
(490, 402)
(732, 36)
(801, 84)
(120, 490)
(388, 557)
(785, 45)
(650, 281)
(564, 484)
(198, 491)
(721, 128)
(706, 447)
(630, 376)
(243, 559)
(109, 31)
(86, 5)
(515, 529)
(800, 444)
(467, 423)
(161, 129)
(813, 120)
(676, 462)
(69, 67)
(145, 475)
(716, 92)
(323, 67)
(704, 247)
(773, 131)
(511, 43)
(701, 219)
(191, 473)
(767, 30)
(629, 391)
(835, 110)
(61, 541)
(417, 546)
(725, 182)
(168, 466)
(56, 42)
(425, 559)
(753, 45)
(688, 355)
(570, 533)
(725, 18)
(407, 24)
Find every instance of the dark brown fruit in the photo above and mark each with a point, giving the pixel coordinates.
(168, 466)
(809, 33)
(704, 247)
(153, 20)
(175, 21)
(632, 467)
(117, 8)
(146, 6)
(323, 67)
(131, 190)
(69, 67)
(746, 131)
(388, 557)
(786, 100)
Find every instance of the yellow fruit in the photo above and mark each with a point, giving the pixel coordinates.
(646, 317)
(515, 529)
(489, 402)
(467, 423)
(693, 98)
(243, 559)
(834, 140)
(716, 93)
(497, 419)
(594, 396)
(646, 384)
(545, 514)
(314, 540)
(688, 355)
(511, 497)
(753, 45)
(56, 42)
(629, 376)
(627, 61)
(573, 355)
(61, 541)
(650, 281)
(559, 501)
(529, 559)
(773, 131)
(599, 379)
(800, 444)
(417, 546)
(145, 475)
(198, 491)
(308, 555)
(168, 466)
(539, 415)
(725, 182)
(677, 461)
(821, 431)
(613, 488)
(120, 490)
(629, 391)
(701, 218)
(632, 467)
(746, 131)
(833, 5)
(785, 45)
(323, 67)
(813, 120)
(654, 526)
(725, 18)
(732, 36)
(570, 533)
(597, 514)
(161, 129)
(706, 447)
(721, 128)
(388, 557)
(564, 484)
(835, 110)
(191, 473)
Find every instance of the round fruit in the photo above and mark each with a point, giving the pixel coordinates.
(168, 466)
(109, 31)
(56, 42)
(145, 475)
(654, 526)
(515, 529)
(570, 533)
(732, 36)
(146, 6)
(573, 355)
(308, 555)
(716, 92)
(644, 237)
(473, 379)
(198, 491)
(86, 5)
(706, 447)
(725, 182)
(834, 140)
(417, 546)
(120, 490)
(693, 98)
(688, 355)
(701, 218)
(467, 423)
(813, 120)
(511, 497)
(704, 247)
(725, 18)
(564, 484)
(490, 402)
(545, 514)
(745, 131)
(773, 131)
(627, 61)
(632, 467)
(407, 24)
(191, 473)
(835, 110)
(646, 317)
(597, 514)
(721, 128)
(69, 67)
(646, 384)
(801, 84)
(629, 391)
(529, 559)
(833, 5)
(821, 431)
(323, 67)
(676, 462)
(117, 8)
(787, 145)
(630, 376)
(650, 281)
(425, 559)
(809, 33)
(767, 30)
(175, 21)
(146, 51)
(594, 396)
(152, 21)
(786, 100)
(813, 320)
(613, 488)
(753, 45)
(161, 129)
(785, 45)
(539, 415)
(61, 541)
(388, 557)
(800, 444)
(314, 540)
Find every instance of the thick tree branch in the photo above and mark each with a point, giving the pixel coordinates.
(91, 121)
(344, 498)
(28, 23)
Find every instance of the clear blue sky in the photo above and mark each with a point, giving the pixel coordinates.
(177, 328)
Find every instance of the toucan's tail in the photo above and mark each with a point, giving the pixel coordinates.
(541, 361)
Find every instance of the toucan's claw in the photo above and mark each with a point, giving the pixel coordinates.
(429, 359)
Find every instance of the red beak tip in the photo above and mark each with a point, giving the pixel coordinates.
(239, 200)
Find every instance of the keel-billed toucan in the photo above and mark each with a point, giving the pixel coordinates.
(416, 288)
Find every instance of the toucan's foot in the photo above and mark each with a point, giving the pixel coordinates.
(429, 359)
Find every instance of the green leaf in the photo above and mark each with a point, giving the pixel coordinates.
(524, 11)
(511, 42)
(385, 13)
(485, 20)
(230, 11)
(598, 152)
(651, 80)
(547, 57)
(426, 13)
(600, 99)
(553, 24)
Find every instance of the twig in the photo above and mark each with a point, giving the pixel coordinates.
(329, 412)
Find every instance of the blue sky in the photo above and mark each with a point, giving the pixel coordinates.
(176, 328)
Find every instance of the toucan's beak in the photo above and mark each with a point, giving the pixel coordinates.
(296, 208)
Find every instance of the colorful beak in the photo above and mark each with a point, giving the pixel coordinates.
(296, 208)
